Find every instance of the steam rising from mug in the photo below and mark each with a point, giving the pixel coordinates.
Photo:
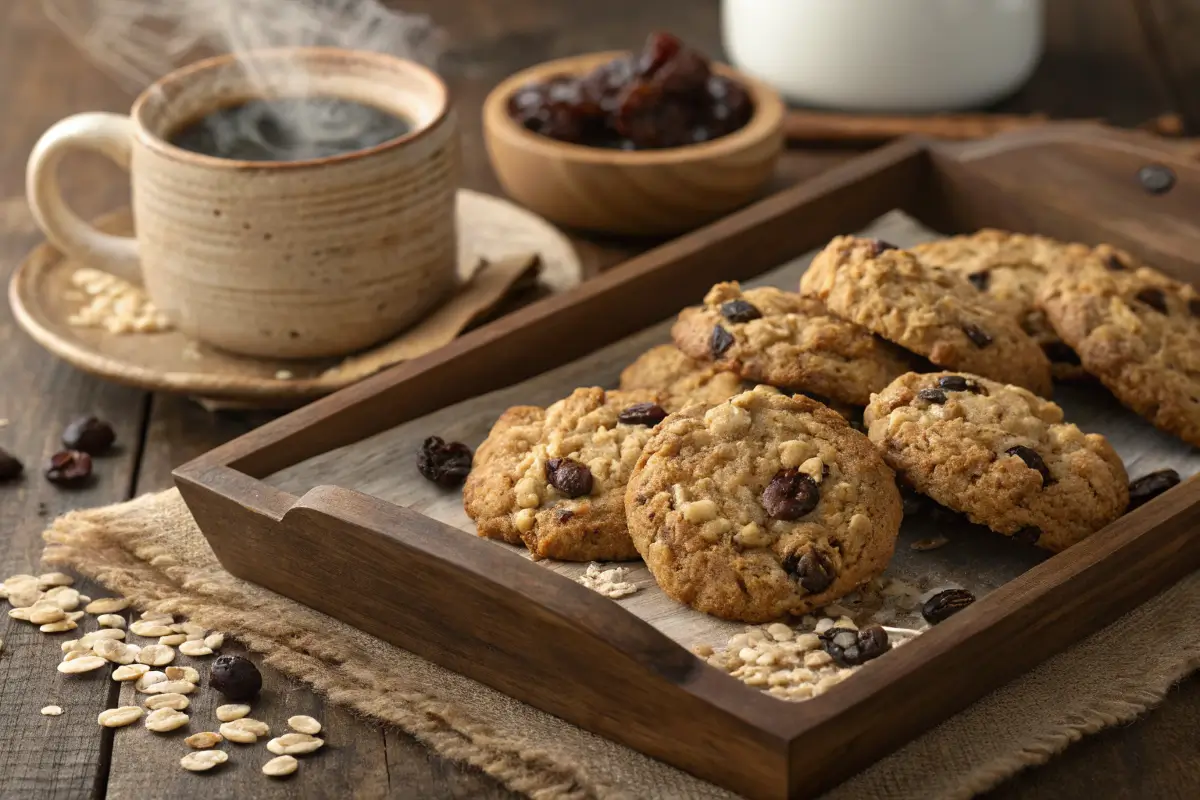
(139, 41)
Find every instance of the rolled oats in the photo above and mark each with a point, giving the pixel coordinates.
(609, 582)
(74, 654)
(257, 727)
(166, 687)
(114, 305)
(203, 760)
(148, 679)
(90, 639)
(150, 629)
(164, 720)
(119, 717)
(52, 711)
(107, 605)
(82, 664)
(183, 674)
(214, 641)
(195, 648)
(203, 741)
(51, 579)
(304, 724)
(64, 597)
(115, 651)
(172, 700)
(129, 672)
(237, 735)
(43, 613)
(62, 626)
(228, 713)
(174, 640)
(294, 744)
(280, 766)
(156, 655)
(110, 621)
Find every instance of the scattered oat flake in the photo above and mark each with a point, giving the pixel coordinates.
(183, 674)
(280, 766)
(156, 655)
(303, 723)
(930, 543)
(203, 760)
(608, 581)
(107, 605)
(294, 744)
(129, 672)
(62, 626)
(166, 687)
(110, 621)
(151, 678)
(55, 579)
(174, 640)
(203, 741)
(150, 629)
(164, 720)
(119, 717)
(173, 700)
(195, 648)
(80, 665)
(228, 713)
(214, 641)
(52, 711)
(104, 633)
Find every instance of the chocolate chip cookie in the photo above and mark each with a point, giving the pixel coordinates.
(930, 311)
(554, 479)
(680, 379)
(1009, 268)
(770, 336)
(762, 506)
(999, 454)
(1136, 330)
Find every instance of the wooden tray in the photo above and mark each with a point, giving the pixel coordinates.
(478, 609)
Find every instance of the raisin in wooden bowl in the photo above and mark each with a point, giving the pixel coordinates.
(633, 192)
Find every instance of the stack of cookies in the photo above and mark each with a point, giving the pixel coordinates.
(754, 463)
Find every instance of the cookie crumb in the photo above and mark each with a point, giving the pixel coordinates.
(929, 543)
(610, 582)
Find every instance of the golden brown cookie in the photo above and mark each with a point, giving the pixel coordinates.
(767, 335)
(1136, 330)
(999, 454)
(762, 506)
(555, 479)
(930, 311)
(680, 379)
(1009, 268)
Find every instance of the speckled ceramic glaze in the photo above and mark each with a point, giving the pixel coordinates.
(274, 259)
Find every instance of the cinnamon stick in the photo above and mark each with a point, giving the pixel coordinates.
(830, 126)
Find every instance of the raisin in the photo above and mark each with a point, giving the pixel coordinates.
(812, 570)
(89, 435)
(235, 677)
(1060, 352)
(936, 396)
(978, 336)
(980, 279)
(1033, 461)
(851, 648)
(1155, 298)
(69, 468)
(564, 515)
(880, 246)
(1150, 486)
(739, 311)
(10, 466)
(1028, 535)
(720, 341)
(946, 604)
(649, 414)
(957, 383)
(444, 463)
(790, 495)
(569, 476)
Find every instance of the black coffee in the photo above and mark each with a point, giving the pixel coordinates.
(289, 129)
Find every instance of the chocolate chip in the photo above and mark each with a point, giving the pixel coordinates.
(879, 246)
(1150, 486)
(565, 514)
(89, 435)
(649, 414)
(69, 468)
(936, 396)
(720, 341)
(976, 334)
(444, 463)
(569, 476)
(739, 311)
(1115, 263)
(957, 383)
(946, 604)
(1194, 306)
(1028, 535)
(1060, 352)
(980, 279)
(10, 467)
(850, 648)
(812, 569)
(1155, 298)
(790, 495)
(1033, 461)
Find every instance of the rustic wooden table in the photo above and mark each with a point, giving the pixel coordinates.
(1123, 60)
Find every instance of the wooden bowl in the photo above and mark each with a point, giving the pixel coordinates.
(645, 192)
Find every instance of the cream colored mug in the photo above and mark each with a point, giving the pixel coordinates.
(287, 259)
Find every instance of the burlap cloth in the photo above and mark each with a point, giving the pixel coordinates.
(151, 551)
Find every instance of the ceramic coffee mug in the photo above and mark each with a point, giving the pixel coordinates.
(288, 259)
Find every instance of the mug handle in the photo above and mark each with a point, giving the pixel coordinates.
(109, 134)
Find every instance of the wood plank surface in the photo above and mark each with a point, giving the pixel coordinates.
(1099, 64)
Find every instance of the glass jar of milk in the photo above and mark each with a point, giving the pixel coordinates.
(886, 55)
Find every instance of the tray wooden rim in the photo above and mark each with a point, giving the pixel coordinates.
(1077, 591)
